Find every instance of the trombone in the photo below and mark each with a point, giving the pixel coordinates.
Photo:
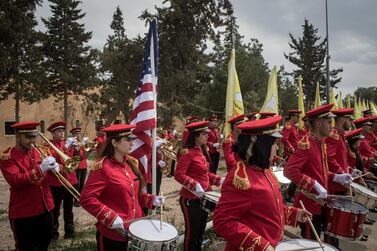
(60, 177)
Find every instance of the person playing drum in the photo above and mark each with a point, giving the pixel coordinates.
(192, 172)
(250, 214)
(114, 192)
(367, 152)
(308, 167)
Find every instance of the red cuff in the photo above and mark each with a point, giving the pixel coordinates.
(215, 180)
(254, 242)
(306, 183)
(290, 214)
(147, 200)
(190, 183)
(106, 216)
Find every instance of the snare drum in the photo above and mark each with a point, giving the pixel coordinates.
(284, 182)
(344, 218)
(145, 234)
(209, 201)
(364, 196)
(302, 244)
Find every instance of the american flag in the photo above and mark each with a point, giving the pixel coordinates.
(143, 113)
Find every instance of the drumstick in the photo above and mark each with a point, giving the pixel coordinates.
(360, 176)
(313, 228)
(302, 249)
(350, 187)
(161, 209)
(365, 184)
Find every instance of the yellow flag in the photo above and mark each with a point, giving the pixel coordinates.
(363, 106)
(340, 105)
(234, 104)
(373, 108)
(348, 101)
(271, 102)
(300, 103)
(317, 100)
(333, 99)
(356, 109)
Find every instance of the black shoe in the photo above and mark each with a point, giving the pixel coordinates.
(368, 222)
(364, 237)
(372, 220)
(76, 203)
(69, 235)
(373, 210)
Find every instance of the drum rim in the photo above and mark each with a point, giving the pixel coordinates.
(308, 240)
(342, 237)
(149, 241)
(365, 194)
(343, 209)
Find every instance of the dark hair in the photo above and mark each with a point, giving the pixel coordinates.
(108, 151)
(359, 162)
(241, 146)
(191, 143)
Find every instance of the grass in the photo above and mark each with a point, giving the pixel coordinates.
(84, 240)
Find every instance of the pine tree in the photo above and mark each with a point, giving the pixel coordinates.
(308, 56)
(21, 74)
(69, 59)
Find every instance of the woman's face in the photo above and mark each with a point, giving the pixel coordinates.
(274, 150)
(202, 138)
(123, 146)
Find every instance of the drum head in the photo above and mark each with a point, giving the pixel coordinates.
(347, 204)
(281, 178)
(301, 243)
(149, 230)
(364, 190)
(212, 196)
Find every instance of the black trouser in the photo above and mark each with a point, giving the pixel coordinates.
(291, 190)
(81, 176)
(60, 194)
(195, 223)
(32, 233)
(106, 244)
(215, 157)
(306, 231)
(172, 168)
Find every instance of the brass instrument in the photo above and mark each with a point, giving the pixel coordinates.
(169, 154)
(70, 164)
(90, 146)
(60, 177)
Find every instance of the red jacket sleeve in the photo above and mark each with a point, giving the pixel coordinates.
(180, 173)
(334, 166)
(229, 158)
(290, 214)
(285, 139)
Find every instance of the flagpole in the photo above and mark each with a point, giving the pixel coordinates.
(154, 174)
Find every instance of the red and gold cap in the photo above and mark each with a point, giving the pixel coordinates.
(212, 118)
(362, 122)
(373, 119)
(252, 115)
(100, 127)
(354, 134)
(56, 125)
(192, 119)
(118, 130)
(237, 119)
(367, 112)
(27, 127)
(294, 112)
(198, 126)
(260, 126)
(343, 112)
(75, 129)
(263, 115)
(323, 111)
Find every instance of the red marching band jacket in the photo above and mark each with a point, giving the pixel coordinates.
(290, 138)
(71, 177)
(101, 140)
(29, 191)
(230, 157)
(252, 217)
(192, 168)
(213, 137)
(308, 164)
(112, 190)
(367, 153)
(372, 138)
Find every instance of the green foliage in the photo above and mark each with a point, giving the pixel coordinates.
(369, 93)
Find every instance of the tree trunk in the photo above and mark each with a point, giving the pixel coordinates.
(17, 99)
(66, 107)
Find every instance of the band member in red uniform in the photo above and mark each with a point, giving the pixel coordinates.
(290, 132)
(213, 144)
(77, 149)
(252, 116)
(250, 214)
(100, 139)
(354, 159)
(189, 120)
(367, 113)
(368, 154)
(371, 136)
(308, 167)
(114, 192)
(304, 131)
(59, 193)
(31, 202)
(192, 172)
(229, 156)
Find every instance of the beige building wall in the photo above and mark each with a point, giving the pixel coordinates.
(48, 111)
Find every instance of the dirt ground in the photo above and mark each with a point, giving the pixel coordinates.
(85, 229)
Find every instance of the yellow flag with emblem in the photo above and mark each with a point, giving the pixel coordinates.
(271, 102)
(300, 103)
(317, 100)
(234, 103)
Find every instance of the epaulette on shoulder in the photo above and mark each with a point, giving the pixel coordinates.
(334, 134)
(184, 151)
(4, 155)
(304, 143)
(97, 164)
(287, 126)
(240, 178)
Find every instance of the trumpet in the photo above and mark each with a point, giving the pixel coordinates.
(70, 164)
(89, 146)
(169, 154)
(60, 177)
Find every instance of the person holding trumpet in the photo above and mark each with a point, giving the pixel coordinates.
(31, 202)
(115, 190)
(59, 192)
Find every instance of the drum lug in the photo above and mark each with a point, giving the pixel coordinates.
(352, 232)
(329, 226)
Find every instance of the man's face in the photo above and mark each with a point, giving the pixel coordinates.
(25, 140)
(58, 134)
(295, 119)
(347, 123)
(213, 123)
(325, 126)
(77, 135)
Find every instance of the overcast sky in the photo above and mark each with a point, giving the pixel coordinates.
(352, 29)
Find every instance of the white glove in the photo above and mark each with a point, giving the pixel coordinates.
(85, 140)
(117, 223)
(221, 136)
(216, 145)
(343, 179)
(69, 142)
(222, 180)
(162, 163)
(56, 168)
(199, 190)
(158, 201)
(322, 192)
(48, 164)
(159, 142)
(356, 173)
